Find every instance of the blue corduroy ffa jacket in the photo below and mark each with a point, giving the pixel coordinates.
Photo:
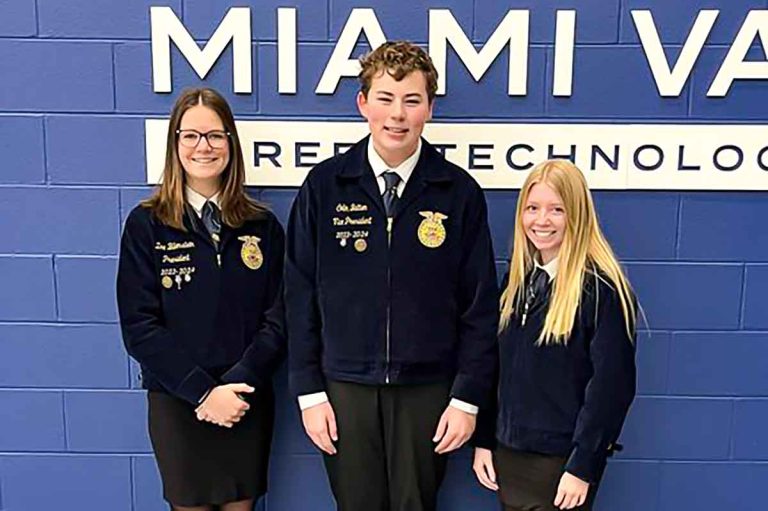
(414, 302)
(568, 399)
(194, 317)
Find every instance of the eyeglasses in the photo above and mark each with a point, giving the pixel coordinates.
(217, 139)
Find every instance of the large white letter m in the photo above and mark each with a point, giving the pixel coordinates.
(235, 27)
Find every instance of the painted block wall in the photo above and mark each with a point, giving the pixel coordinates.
(75, 88)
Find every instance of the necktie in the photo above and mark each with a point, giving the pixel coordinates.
(211, 217)
(537, 286)
(391, 180)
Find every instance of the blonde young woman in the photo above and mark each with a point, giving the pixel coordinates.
(566, 341)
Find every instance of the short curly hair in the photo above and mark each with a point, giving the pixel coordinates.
(398, 59)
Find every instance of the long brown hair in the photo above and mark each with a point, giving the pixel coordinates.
(584, 250)
(167, 202)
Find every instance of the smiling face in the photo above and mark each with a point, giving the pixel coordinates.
(544, 220)
(396, 112)
(203, 165)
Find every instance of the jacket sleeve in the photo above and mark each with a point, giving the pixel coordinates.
(305, 374)
(608, 393)
(268, 345)
(478, 307)
(485, 432)
(141, 315)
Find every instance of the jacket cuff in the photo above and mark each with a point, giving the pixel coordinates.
(195, 385)
(468, 390)
(586, 465)
(483, 440)
(240, 373)
(485, 431)
(305, 382)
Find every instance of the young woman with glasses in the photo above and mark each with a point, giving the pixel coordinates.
(199, 296)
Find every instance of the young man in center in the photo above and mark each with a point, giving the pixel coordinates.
(391, 298)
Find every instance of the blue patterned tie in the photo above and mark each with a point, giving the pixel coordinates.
(211, 217)
(391, 180)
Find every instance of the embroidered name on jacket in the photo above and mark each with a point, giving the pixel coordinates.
(354, 237)
(174, 245)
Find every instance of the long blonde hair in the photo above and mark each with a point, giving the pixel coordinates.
(584, 249)
(167, 202)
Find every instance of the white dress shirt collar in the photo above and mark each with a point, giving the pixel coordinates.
(197, 200)
(404, 170)
(550, 267)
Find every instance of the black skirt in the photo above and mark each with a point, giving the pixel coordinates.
(529, 480)
(204, 464)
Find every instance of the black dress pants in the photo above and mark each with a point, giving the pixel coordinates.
(385, 458)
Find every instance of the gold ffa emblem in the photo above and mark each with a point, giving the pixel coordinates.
(361, 245)
(167, 282)
(250, 252)
(431, 229)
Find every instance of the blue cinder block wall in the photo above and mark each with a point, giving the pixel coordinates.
(75, 89)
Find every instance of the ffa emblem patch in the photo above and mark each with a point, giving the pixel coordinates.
(431, 229)
(250, 252)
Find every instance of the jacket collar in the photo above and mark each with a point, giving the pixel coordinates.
(404, 170)
(430, 168)
(197, 200)
(194, 224)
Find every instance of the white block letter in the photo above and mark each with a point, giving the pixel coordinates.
(734, 67)
(340, 65)
(286, 50)
(565, 34)
(670, 81)
(235, 27)
(513, 30)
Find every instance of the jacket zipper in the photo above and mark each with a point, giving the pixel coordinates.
(217, 247)
(389, 293)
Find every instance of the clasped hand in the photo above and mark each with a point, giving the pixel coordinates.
(223, 405)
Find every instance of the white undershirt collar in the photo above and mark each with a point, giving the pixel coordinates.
(197, 200)
(404, 170)
(550, 267)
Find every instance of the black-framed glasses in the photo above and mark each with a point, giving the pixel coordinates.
(217, 139)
